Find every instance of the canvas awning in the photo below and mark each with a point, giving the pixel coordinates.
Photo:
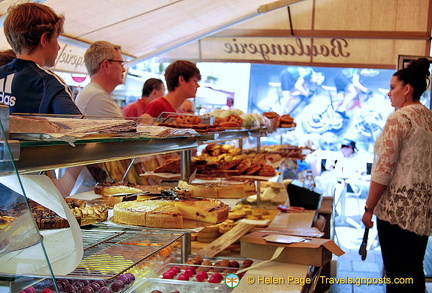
(147, 28)
(316, 32)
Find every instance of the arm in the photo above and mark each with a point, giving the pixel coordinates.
(300, 86)
(356, 82)
(63, 104)
(375, 192)
(145, 119)
(66, 183)
(57, 97)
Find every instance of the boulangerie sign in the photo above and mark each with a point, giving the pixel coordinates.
(319, 51)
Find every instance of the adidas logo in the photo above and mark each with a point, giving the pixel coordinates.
(6, 97)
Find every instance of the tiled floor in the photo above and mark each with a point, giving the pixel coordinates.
(350, 266)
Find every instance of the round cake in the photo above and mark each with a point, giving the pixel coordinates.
(170, 213)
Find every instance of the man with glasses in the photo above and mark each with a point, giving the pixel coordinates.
(26, 86)
(105, 66)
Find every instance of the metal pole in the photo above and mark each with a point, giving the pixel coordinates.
(185, 164)
(185, 247)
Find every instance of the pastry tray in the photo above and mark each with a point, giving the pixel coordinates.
(107, 254)
(206, 176)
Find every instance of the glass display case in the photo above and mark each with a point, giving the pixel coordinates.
(28, 255)
(22, 252)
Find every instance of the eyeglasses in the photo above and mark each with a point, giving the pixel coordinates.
(119, 61)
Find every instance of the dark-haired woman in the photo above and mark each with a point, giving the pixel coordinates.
(400, 193)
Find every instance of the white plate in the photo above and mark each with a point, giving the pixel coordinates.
(285, 239)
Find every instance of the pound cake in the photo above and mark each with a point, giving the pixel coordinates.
(170, 213)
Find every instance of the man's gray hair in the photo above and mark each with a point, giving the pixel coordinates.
(97, 53)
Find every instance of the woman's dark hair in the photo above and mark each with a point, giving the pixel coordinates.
(6, 56)
(415, 74)
(150, 85)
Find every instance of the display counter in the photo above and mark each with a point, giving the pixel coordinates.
(41, 155)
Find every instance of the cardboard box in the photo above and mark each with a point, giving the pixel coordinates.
(314, 252)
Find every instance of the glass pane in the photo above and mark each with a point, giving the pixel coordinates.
(20, 240)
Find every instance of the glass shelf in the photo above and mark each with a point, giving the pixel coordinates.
(42, 155)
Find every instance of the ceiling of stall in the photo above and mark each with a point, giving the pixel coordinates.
(148, 27)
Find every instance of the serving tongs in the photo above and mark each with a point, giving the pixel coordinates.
(131, 196)
(363, 246)
(168, 194)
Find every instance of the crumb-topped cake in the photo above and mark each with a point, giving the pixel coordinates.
(48, 219)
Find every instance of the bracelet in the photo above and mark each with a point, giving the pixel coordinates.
(368, 209)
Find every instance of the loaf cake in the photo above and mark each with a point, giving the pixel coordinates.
(170, 213)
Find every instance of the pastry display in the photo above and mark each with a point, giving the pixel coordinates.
(230, 121)
(216, 163)
(188, 120)
(226, 226)
(212, 265)
(286, 121)
(170, 213)
(48, 219)
(219, 189)
(191, 122)
(109, 188)
(208, 234)
(282, 121)
(115, 191)
(90, 214)
(191, 273)
(119, 284)
(244, 211)
(271, 115)
(285, 151)
(68, 126)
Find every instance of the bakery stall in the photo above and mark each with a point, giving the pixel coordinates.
(101, 253)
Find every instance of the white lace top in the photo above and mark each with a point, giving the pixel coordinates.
(403, 162)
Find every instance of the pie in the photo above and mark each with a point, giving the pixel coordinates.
(114, 191)
(115, 187)
(170, 213)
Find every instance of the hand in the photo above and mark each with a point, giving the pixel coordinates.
(145, 119)
(367, 219)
